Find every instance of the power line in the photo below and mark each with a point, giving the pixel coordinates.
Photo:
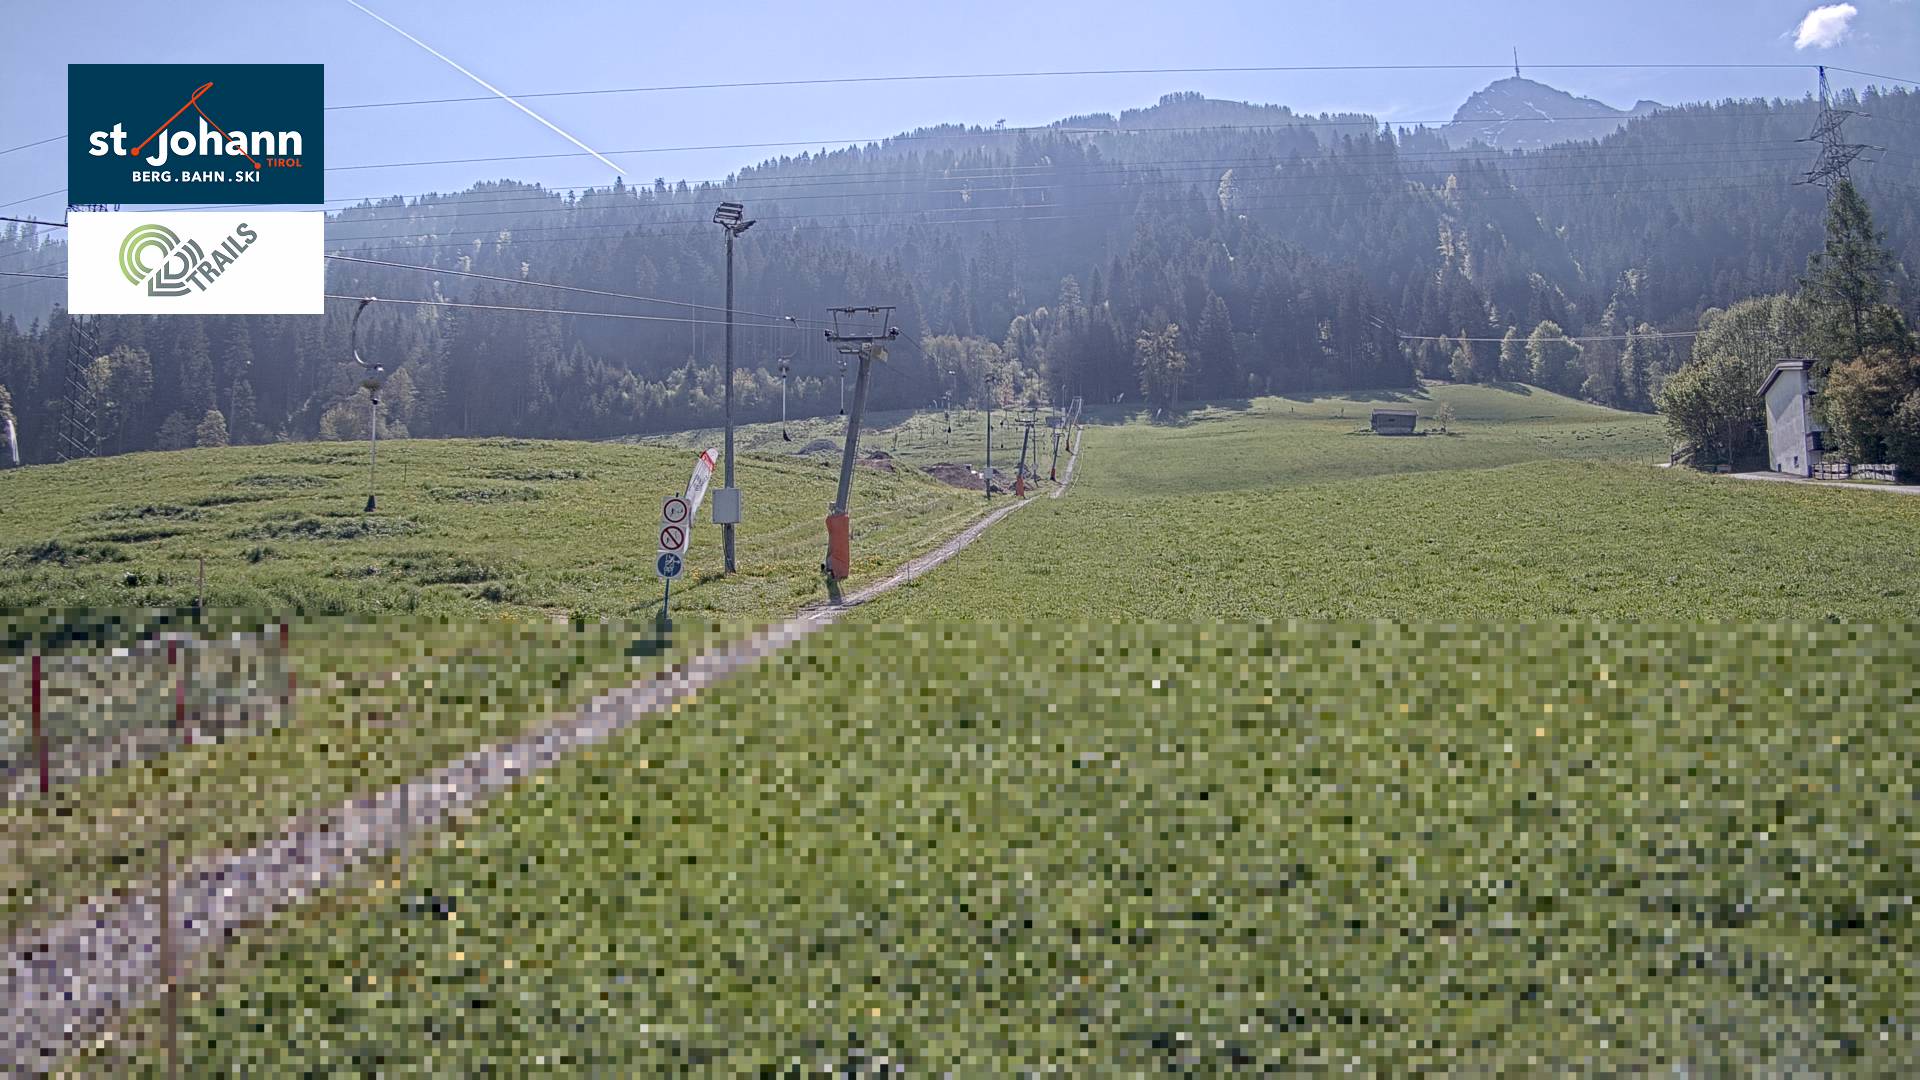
(534, 310)
(1296, 122)
(567, 288)
(1560, 337)
(57, 138)
(542, 191)
(32, 198)
(1013, 214)
(983, 75)
(1270, 69)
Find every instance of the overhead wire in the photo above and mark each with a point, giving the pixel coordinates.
(437, 270)
(531, 310)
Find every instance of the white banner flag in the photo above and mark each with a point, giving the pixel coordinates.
(702, 473)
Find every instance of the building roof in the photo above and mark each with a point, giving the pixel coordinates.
(1395, 412)
(1784, 365)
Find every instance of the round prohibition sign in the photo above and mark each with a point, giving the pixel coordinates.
(672, 537)
(674, 510)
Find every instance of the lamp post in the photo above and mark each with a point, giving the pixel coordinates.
(989, 436)
(729, 217)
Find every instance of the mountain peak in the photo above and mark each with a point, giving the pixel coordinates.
(1520, 114)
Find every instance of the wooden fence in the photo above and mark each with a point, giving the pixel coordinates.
(72, 715)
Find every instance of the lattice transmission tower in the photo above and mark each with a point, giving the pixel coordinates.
(1836, 153)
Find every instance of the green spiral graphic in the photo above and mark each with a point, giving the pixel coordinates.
(134, 248)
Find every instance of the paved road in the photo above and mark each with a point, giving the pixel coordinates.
(64, 981)
(1782, 478)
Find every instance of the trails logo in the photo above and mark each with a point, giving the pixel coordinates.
(194, 133)
(181, 268)
(240, 262)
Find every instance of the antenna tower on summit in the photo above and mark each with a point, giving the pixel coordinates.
(1516, 61)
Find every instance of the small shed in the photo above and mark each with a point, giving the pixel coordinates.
(1394, 421)
(1794, 441)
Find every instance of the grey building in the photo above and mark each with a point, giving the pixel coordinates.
(1794, 441)
(1394, 421)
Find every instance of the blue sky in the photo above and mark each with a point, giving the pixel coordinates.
(585, 44)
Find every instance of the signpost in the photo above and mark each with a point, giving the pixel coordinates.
(673, 536)
(676, 517)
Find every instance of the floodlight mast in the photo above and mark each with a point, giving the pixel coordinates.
(371, 384)
(990, 382)
(730, 216)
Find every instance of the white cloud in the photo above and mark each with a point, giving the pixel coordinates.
(1825, 27)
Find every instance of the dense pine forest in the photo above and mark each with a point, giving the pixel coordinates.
(1193, 250)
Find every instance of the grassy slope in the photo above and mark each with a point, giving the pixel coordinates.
(918, 438)
(1535, 506)
(1133, 848)
(465, 528)
(374, 707)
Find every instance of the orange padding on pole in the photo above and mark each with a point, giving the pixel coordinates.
(839, 546)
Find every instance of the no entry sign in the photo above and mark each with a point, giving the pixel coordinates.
(676, 516)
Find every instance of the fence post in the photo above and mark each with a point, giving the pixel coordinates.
(39, 732)
(171, 990)
(179, 688)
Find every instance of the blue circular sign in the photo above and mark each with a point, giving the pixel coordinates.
(668, 564)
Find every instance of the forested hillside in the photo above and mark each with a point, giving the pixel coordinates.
(1195, 249)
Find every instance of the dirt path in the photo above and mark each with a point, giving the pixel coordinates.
(64, 981)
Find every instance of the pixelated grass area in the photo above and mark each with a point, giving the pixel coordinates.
(995, 848)
(378, 702)
(464, 529)
(1534, 540)
(1257, 443)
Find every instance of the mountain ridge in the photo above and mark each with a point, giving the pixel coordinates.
(1521, 114)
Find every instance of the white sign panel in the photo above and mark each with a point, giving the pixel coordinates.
(245, 262)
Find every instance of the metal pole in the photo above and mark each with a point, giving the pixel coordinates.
(39, 733)
(726, 530)
(853, 432)
(989, 438)
(1020, 470)
(373, 444)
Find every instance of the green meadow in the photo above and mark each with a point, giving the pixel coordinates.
(1530, 505)
(996, 849)
(1271, 744)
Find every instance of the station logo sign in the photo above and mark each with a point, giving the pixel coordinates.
(141, 134)
(196, 263)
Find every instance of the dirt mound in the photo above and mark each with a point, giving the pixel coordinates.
(819, 446)
(877, 459)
